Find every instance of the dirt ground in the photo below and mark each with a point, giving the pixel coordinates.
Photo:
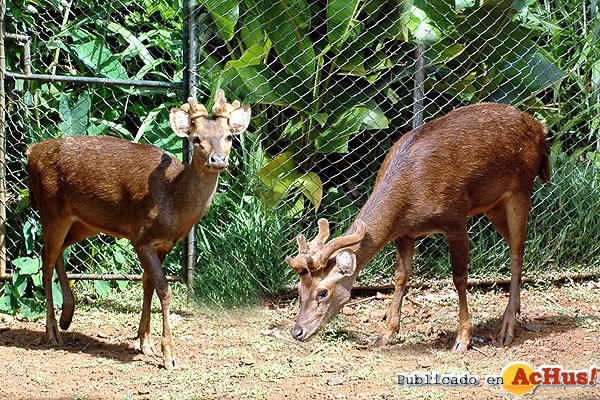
(248, 353)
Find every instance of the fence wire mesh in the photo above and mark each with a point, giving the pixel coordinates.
(332, 85)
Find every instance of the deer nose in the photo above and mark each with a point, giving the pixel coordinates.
(297, 332)
(218, 160)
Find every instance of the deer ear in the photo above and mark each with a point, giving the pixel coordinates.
(239, 119)
(180, 122)
(345, 262)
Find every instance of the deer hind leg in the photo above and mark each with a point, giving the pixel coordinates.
(54, 233)
(405, 249)
(510, 219)
(458, 244)
(152, 263)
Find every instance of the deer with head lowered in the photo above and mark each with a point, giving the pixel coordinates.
(476, 159)
(83, 185)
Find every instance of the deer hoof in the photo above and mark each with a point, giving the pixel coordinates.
(460, 347)
(148, 349)
(381, 341)
(55, 341)
(506, 340)
(505, 335)
(54, 338)
(170, 363)
(145, 348)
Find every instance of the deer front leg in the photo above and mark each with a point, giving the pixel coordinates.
(151, 262)
(405, 249)
(144, 336)
(458, 244)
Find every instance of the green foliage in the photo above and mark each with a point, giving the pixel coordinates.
(241, 248)
(281, 177)
(323, 77)
(25, 292)
(335, 66)
(118, 40)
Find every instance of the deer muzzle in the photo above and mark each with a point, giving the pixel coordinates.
(218, 160)
(297, 332)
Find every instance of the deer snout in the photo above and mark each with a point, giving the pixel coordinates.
(297, 332)
(218, 160)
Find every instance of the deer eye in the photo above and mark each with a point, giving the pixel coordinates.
(229, 138)
(322, 293)
(196, 140)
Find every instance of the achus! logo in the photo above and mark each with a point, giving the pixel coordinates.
(521, 379)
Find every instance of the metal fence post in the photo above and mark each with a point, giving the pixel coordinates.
(2, 144)
(419, 91)
(190, 89)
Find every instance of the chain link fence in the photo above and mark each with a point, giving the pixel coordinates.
(332, 85)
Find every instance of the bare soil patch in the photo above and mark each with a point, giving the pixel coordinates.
(248, 353)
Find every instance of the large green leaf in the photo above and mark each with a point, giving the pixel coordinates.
(340, 14)
(281, 176)
(99, 59)
(27, 265)
(527, 76)
(19, 285)
(422, 27)
(345, 96)
(74, 120)
(225, 13)
(373, 8)
(135, 48)
(351, 122)
(278, 168)
(102, 288)
(251, 31)
(286, 23)
(443, 51)
(293, 129)
(260, 84)
(8, 303)
(30, 309)
(103, 126)
(312, 188)
(441, 12)
(253, 55)
(489, 33)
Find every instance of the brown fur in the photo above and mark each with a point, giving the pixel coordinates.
(476, 159)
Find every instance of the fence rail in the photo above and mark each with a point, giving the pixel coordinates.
(332, 85)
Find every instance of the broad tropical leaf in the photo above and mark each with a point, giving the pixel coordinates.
(286, 22)
(260, 84)
(340, 14)
(225, 13)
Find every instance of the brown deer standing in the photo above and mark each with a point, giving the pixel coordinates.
(83, 185)
(476, 159)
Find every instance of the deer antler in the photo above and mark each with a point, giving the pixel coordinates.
(222, 109)
(194, 109)
(313, 256)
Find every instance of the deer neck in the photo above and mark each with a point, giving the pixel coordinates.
(381, 228)
(194, 189)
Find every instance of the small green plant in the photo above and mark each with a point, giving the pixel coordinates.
(24, 294)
